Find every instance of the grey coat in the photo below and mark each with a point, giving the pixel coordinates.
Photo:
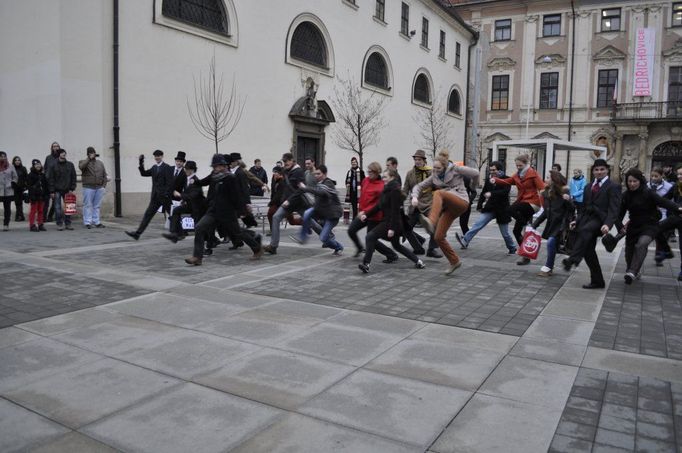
(7, 177)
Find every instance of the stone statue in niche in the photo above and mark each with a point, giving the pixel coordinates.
(629, 160)
(310, 106)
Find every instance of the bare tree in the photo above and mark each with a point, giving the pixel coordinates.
(360, 117)
(214, 112)
(433, 128)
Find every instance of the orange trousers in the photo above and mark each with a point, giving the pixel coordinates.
(446, 207)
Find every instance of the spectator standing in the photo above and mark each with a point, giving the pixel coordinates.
(8, 178)
(38, 194)
(259, 172)
(19, 188)
(61, 180)
(576, 187)
(94, 178)
(50, 161)
(354, 179)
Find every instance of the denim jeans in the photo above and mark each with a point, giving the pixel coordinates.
(484, 219)
(92, 200)
(280, 214)
(551, 251)
(326, 235)
(60, 217)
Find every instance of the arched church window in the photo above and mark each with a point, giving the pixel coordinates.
(455, 103)
(376, 71)
(307, 44)
(422, 91)
(208, 14)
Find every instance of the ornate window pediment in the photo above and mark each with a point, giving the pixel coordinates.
(497, 136)
(548, 61)
(675, 52)
(609, 53)
(501, 63)
(546, 135)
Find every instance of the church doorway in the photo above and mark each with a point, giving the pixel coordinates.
(668, 154)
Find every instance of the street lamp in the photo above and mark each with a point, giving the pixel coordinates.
(545, 59)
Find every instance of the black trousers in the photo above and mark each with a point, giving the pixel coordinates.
(585, 248)
(19, 205)
(356, 225)
(7, 207)
(176, 220)
(381, 232)
(523, 214)
(415, 239)
(464, 220)
(670, 224)
(207, 226)
(154, 204)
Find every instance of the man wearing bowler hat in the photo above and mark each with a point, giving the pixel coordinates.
(192, 202)
(601, 201)
(162, 190)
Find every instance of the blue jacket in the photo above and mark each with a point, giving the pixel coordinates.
(577, 186)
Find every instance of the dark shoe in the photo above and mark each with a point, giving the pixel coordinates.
(270, 249)
(235, 246)
(207, 252)
(420, 239)
(419, 264)
(34, 228)
(594, 286)
(434, 253)
(89, 227)
(511, 252)
(99, 225)
(629, 278)
(50, 220)
(460, 239)
(193, 260)
(419, 251)
(364, 267)
(41, 227)
(358, 252)
(257, 254)
(567, 264)
(171, 237)
(133, 234)
(19, 219)
(390, 259)
(679, 277)
(523, 262)
(5, 228)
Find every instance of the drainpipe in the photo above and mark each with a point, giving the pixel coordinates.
(570, 94)
(466, 113)
(117, 143)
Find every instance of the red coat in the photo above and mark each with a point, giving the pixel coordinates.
(370, 193)
(528, 187)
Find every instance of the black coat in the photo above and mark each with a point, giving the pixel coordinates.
(603, 206)
(225, 201)
(179, 181)
(261, 174)
(292, 191)
(20, 185)
(391, 204)
(243, 185)
(37, 186)
(557, 212)
(642, 207)
(277, 188)
(62, 177)
(193, 197)
(498, 203)
(162, 180)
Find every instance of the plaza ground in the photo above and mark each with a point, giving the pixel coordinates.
(109, 344)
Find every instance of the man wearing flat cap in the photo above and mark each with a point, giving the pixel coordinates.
(162, 190)
(601, 201)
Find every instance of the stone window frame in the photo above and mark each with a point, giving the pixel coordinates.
(388, 90)
(329, 69)
(230, 39)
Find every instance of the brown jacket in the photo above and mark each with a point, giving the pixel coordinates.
(414, 177)
(94, 175)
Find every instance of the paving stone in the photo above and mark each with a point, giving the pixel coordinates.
(20, 428)
(401, 409)
(564, 444)
(577, 430)
(12, 336)
(615, 439)
(188, 416)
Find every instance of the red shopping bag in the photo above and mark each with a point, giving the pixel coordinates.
(70, 204)
(530, 245)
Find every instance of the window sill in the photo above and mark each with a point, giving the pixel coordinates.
(376, 89)
(425, 49)
(606, 32)
(455, 115)
(442, 59)
(310, 66)
(502, 40)
(459, 68)
(422, 104)
(351, 4)
(551, 36)
(379, 21)
(404, 36)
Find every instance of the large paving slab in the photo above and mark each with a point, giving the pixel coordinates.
(401, 409)
(21, 428)
(190, 418)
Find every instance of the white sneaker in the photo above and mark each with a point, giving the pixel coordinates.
(545, 269)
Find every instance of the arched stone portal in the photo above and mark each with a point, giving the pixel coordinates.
(310, 117)
(667, 154)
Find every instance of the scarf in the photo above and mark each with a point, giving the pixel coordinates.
(579, 177)
(422, 172)
(522, 172)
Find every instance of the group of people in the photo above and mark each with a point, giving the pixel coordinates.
(46, 185)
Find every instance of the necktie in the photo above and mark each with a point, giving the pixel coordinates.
(176, 172)
(595, 187)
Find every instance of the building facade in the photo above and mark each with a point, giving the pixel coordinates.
(599, 72)
(59, 81)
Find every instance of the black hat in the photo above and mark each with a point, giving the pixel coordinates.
(600, 163)
(236, 156)
(218, 159)
(158, 152)
(278, 169)
(34, 162)
(228, 158)
(181, 156)
(191, 165)
(91, 150)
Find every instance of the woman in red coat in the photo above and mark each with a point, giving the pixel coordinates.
(370, 194)
(528, 201)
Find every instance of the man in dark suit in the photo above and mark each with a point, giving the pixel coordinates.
(162, 190)
(192, 202)
(179, 176)
(601, 205)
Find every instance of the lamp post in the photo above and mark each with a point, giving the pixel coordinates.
(545, 59)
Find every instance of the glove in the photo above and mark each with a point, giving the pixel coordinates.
(141, 158)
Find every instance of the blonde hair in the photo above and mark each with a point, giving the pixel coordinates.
(375, 167)
(444, 158)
